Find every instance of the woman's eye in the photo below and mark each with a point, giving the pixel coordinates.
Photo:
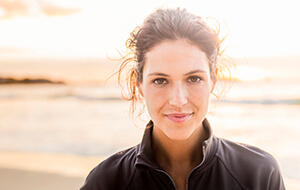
(194, 79)
(160, 81)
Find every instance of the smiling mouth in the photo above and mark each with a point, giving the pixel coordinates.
(178, 117)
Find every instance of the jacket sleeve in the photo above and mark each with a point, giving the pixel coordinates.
(90, 182)
(113, 173)
(276, 180)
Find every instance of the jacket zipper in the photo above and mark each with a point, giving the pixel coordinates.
(187, 181)
(162, 171)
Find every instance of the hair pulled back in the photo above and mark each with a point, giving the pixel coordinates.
(162, 25)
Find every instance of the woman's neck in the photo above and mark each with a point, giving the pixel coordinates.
(174, 154)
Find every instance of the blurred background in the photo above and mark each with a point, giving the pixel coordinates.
(60, 116)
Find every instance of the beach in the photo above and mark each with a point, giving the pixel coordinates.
(44, 171)
(52, 135)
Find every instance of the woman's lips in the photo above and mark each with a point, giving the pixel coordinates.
(178, 117)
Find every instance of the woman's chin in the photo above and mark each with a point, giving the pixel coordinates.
(178, 135)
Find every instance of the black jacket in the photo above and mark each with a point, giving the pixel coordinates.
(225, 166)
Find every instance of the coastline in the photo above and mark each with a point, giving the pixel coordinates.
(10, 80)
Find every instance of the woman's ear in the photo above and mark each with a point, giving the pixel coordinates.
(214, 80)
(140, 89)
(138, 84)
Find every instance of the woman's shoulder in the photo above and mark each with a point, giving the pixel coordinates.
(116, 170)
(250, 165)
(244, 153)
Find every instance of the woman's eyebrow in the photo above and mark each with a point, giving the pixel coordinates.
(158, 74)
(195, 71)
(165, 75)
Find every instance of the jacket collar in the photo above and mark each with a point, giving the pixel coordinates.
(145, 158)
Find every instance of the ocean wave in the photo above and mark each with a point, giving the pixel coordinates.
(265, 101)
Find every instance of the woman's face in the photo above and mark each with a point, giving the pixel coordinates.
(176, 87)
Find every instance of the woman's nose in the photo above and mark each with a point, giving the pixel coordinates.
(178, 96)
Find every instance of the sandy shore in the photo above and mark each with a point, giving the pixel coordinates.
(23, 179)
(38, 171)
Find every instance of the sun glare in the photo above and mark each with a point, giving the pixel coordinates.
(94, 28)
(247, 73)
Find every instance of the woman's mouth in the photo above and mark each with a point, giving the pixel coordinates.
(178, 117)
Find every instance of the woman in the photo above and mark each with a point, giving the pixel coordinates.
(176, 65)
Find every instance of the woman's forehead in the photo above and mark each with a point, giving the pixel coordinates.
(172, 55)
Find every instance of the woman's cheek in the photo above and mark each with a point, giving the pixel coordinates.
(152, 94)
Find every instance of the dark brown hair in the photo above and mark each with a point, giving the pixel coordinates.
(162, 25)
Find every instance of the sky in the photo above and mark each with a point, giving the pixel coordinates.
(96, 28)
